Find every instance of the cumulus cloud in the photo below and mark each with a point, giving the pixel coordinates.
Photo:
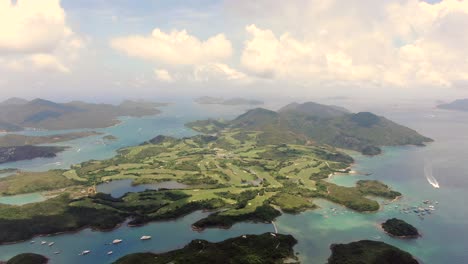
(401, 43)
(34, 35)
(163, 75)
(174, 48)
(218, 71)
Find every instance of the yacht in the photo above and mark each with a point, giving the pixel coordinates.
(145, 238)
(85, 252)
(117, 241)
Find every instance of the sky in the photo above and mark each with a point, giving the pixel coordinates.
(105, 50)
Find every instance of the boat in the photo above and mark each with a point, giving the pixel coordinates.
(43, 242)
(32, 242)
(110, 253)
(145, 238)
(51, 244)
(85, 252)
(56, 252)
(430, 177)
(117, 241)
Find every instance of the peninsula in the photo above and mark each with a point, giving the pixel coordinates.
(316, 124)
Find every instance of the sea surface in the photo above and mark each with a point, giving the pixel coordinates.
(444, 231)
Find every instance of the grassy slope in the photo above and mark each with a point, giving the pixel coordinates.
(301, 124)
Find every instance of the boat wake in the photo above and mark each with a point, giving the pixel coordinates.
(430, 178)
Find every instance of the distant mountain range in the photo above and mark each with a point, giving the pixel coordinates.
(231, 101)
(312, 123)
(17, 114)
(458, 105)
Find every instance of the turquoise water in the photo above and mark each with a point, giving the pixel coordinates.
(22, 199)
(119, 188)
(444, 232)
(165, 236)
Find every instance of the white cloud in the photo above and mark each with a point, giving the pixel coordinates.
(174, 48)
(218, 71)
(401, 43)
(163, 75)
(34, 35)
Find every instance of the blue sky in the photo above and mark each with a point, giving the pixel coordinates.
(313, 47)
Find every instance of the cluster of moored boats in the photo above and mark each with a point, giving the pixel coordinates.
(426, 208)
(86, 252)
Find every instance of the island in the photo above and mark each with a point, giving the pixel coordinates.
(312, 123)
(12, 154)
(231, 101)
(48, 115)
(369, 252)
(457, 105)
(110, 138)
(27, 258)
(265, 248)
(399, 228)
(237, 174)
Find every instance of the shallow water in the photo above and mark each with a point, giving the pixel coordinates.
(444, 232)
(165, 236)
(22, 199)
(119, 188)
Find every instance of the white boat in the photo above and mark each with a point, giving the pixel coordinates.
(145, 238)
(429, 176)
(43, 242)
(110, 253)
(85, 252)
(57, 252)
(51, 244)
(117, 241)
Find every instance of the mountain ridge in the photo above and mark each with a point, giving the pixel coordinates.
(312, 123)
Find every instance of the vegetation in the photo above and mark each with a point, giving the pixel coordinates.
(376, 188)
(399, 228)
(28, 258)
(309, 122)
(292, 204)
(249, 249)
(235, 174)
(28, 182)
(14, 140)
(11, 154)
(109, 138)
(369, 252)
(45, 114)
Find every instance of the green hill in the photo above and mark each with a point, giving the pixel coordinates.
(369, 252)
(266, 248)
(17, 114)
(312, 123)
